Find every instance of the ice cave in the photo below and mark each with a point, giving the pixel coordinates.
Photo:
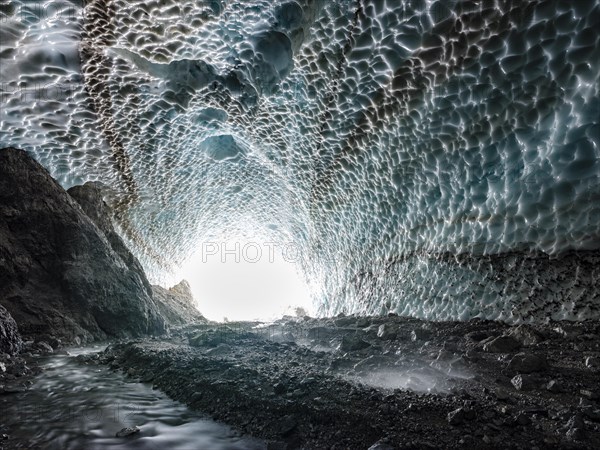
(300, 224)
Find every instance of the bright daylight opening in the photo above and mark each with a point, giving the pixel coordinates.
(246, 281)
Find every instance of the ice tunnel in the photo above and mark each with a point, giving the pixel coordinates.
(437, 159)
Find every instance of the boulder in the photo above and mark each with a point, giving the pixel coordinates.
(60, 275)
(387, 331)
(10, 339)
(502, 344)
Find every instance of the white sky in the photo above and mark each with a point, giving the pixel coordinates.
(261, 284)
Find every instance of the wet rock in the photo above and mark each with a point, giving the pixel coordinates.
(279, 388)
(523, 382)
(592, 395)
(387, 331)
(351, 343)
(43, 347)
(502, 344)
(128, 432)
(10, 339)
(527, 363)
(554, 386)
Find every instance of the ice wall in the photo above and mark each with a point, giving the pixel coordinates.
(433, 158)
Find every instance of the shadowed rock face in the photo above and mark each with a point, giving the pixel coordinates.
(60, 275)
(90, 198)
(176, 305)
(10, 339)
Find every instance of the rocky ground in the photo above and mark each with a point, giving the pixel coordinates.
(382, 382)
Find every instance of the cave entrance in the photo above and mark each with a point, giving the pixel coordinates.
(249, 280)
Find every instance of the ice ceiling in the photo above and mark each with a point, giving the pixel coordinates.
(381, 137)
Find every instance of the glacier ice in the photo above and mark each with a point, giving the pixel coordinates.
(434, 158)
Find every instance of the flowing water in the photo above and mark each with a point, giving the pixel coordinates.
(75, 406)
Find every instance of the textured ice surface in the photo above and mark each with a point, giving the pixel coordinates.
(385, 136)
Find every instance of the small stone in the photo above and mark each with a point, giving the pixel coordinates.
(131, 372)
(527, 363)
(592, 362)
(457, 416)
(589, 394)
(387, 331)
(420, 334)
(128, 432)
(523, 382)
(4, 437)
(554, 386)
(2, 367)
(502, 344)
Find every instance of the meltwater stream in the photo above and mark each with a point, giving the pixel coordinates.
(75, 406)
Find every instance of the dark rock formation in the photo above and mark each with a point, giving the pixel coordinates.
(60, 275)
(176, 304)
(10, 339)
(91, 199)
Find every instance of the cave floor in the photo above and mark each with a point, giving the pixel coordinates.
(381, 382)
